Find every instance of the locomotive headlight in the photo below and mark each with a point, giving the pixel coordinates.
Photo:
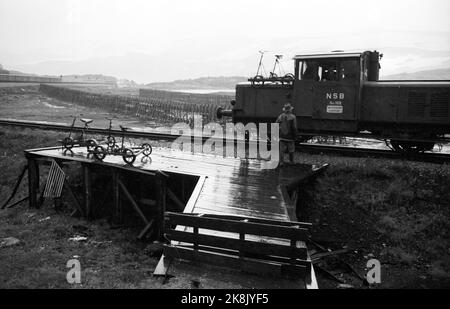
(233, 102)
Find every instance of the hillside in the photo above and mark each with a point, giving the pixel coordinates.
(438, 74)
(219, 83)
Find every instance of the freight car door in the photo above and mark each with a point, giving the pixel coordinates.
(336, 95)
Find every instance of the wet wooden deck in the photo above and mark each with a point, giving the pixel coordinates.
(227, 186)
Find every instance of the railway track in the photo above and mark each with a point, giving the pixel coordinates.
(301, 147)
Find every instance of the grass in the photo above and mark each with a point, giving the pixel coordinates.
(395, 210)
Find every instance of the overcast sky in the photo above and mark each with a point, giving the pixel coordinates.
(190, 34)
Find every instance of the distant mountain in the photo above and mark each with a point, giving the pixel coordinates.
(438, 74)
(207, 83)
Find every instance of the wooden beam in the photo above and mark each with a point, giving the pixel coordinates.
(87, 186)
(117, 211)
(286, 232)
(132, 201)
(195, 194)
(33, 183)
(175, 199)
(161, 190)
(239, 244)
(245, 264)
(16, 202)
(16, 186)
(146, 229)
(73, 197)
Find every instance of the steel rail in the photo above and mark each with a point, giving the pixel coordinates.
(301, 147)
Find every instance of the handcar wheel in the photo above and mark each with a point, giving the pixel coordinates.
(99, 153)
(111, 141)
(128, 156)
(68, 142)
(258, 81)
(90, 144)
(147, 149)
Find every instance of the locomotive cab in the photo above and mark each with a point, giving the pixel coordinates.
(328, 88)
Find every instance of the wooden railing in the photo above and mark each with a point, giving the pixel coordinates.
(254, 245)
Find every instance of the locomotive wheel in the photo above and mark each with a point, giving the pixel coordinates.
(99, 153)
(128, 156)
(111, 141)
(411, 146)
(147, 149)
(68, 143)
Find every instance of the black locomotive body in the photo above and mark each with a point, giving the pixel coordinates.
(339, 93)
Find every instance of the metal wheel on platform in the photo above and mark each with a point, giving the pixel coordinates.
(258, 81)
(128, 156)
(99, 153)
(147, 149)
(110, 141)
(90, 144)
(68, 143)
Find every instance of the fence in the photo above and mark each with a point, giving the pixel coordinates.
(166, 108)
(28, 79)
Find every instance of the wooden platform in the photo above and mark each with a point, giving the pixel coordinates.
(226, 187)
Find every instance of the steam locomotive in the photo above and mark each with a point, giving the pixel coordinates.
(339, 93)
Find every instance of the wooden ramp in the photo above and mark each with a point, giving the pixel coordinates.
(238, 212)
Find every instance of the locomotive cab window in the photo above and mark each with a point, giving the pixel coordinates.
(349, 70)
(329, 70)
(309, 70)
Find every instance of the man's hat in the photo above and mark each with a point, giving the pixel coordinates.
(287, 107)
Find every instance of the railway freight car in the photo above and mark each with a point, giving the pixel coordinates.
(340, 93)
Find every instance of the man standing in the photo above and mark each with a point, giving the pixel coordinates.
(288, 132)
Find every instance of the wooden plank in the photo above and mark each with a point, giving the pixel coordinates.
(163, 265)
(195, 194)
(304, 225)
(311, 280)
(241, 245)
(133, 203)
(271, 259)
(239, 227)
(245, 264)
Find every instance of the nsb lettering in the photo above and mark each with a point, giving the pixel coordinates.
(335, 96)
